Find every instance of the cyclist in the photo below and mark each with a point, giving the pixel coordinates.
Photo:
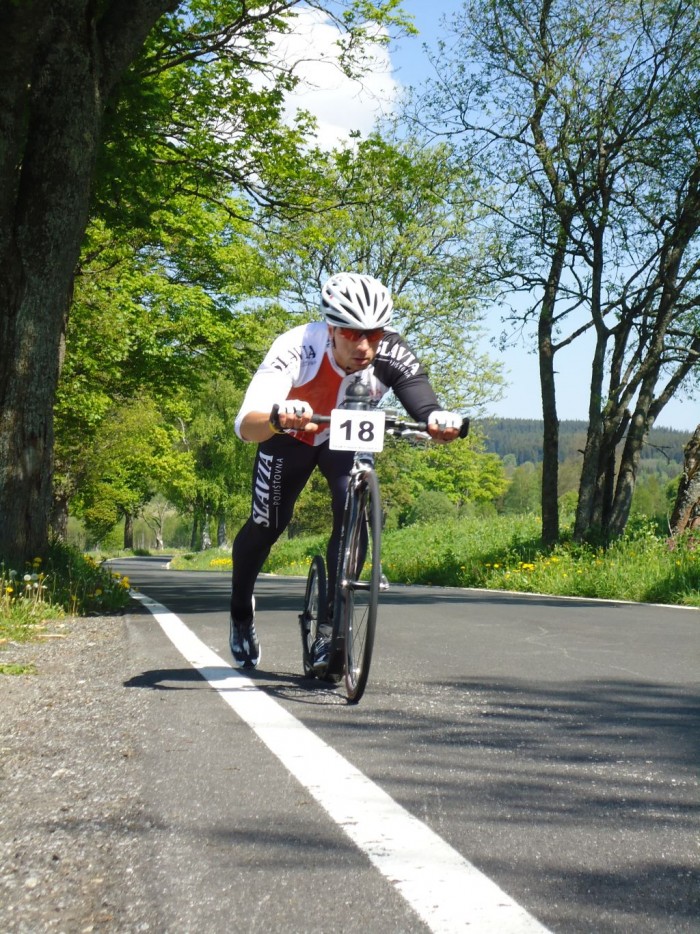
(307, 370)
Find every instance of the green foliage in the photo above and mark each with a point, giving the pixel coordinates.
(222, 465)
(505, 553)
(18, 669)
(147, 323)
(650, 497)
(461, 472)
(429, 504)
(567, 506)
(524, 491)
(406, 212)
(312, 513)
(136, 456)
(65, 582)
(25, 603)
(82, 586)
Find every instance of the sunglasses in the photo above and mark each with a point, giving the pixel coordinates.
(353, 334)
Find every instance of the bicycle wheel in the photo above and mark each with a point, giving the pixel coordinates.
(359, 576)
(314, 610)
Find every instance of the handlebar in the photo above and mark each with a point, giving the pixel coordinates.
(396, 425)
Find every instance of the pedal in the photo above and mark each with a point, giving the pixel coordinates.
(384, 584)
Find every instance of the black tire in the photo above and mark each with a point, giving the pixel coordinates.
(359, 576)
(314, 610)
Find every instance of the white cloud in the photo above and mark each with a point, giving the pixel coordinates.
(341, 105)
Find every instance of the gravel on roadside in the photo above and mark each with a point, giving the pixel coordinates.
(70, 806)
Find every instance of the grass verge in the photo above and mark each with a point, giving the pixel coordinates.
(505, 553)
(63, 583)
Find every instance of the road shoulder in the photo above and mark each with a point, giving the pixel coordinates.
(71, 815)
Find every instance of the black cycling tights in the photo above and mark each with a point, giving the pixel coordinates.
(282, 469)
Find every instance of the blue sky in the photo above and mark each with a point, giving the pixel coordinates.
(341, 107)
(522, 399)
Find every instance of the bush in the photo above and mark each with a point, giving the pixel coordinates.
(429, 506)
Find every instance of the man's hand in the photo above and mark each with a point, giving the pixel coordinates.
(293, 414)
(444, 426)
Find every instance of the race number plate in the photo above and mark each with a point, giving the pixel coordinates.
(355, 430)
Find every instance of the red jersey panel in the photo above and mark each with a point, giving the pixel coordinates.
(321, 392)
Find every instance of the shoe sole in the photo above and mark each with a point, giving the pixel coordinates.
(246, 664)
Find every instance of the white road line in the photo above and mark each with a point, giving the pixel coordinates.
(442, 887)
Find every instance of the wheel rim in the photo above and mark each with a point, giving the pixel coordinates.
(314, 608)
(359, 587)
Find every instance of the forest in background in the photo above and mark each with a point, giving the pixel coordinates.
(518, 444)
(522, 438)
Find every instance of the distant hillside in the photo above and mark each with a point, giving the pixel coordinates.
(523, 439)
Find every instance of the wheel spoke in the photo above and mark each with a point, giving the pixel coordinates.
(313, 611)
(360, 576)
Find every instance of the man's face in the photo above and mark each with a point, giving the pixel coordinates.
(350, 353)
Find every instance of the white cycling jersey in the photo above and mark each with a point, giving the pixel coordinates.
(300, 365)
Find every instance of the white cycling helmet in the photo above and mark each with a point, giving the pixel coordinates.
(351, 300)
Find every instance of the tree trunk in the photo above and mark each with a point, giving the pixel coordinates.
(550, 436)
(589, 494)
(206, 535)
(51, 132)
(57, 63)
(550, 454)
(613, 428)
(627, 476)
(221, 531)
(688, 496)
(59, 516)
(194, 537)
(128, 531)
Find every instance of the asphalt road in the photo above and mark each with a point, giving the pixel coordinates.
(553, 743)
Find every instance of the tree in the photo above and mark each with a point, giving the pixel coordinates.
(462, 472)
(137, 457)
(223, 466)
(405, 212)
(523, 493)
(155, 514)
(58, 63)
(68, 72)
(687, 504)
(585, 117)
(158, 312)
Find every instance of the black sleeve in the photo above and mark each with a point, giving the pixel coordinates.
(399, 369)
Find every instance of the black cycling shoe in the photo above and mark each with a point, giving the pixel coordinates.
(243, 640)
(321, 650)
